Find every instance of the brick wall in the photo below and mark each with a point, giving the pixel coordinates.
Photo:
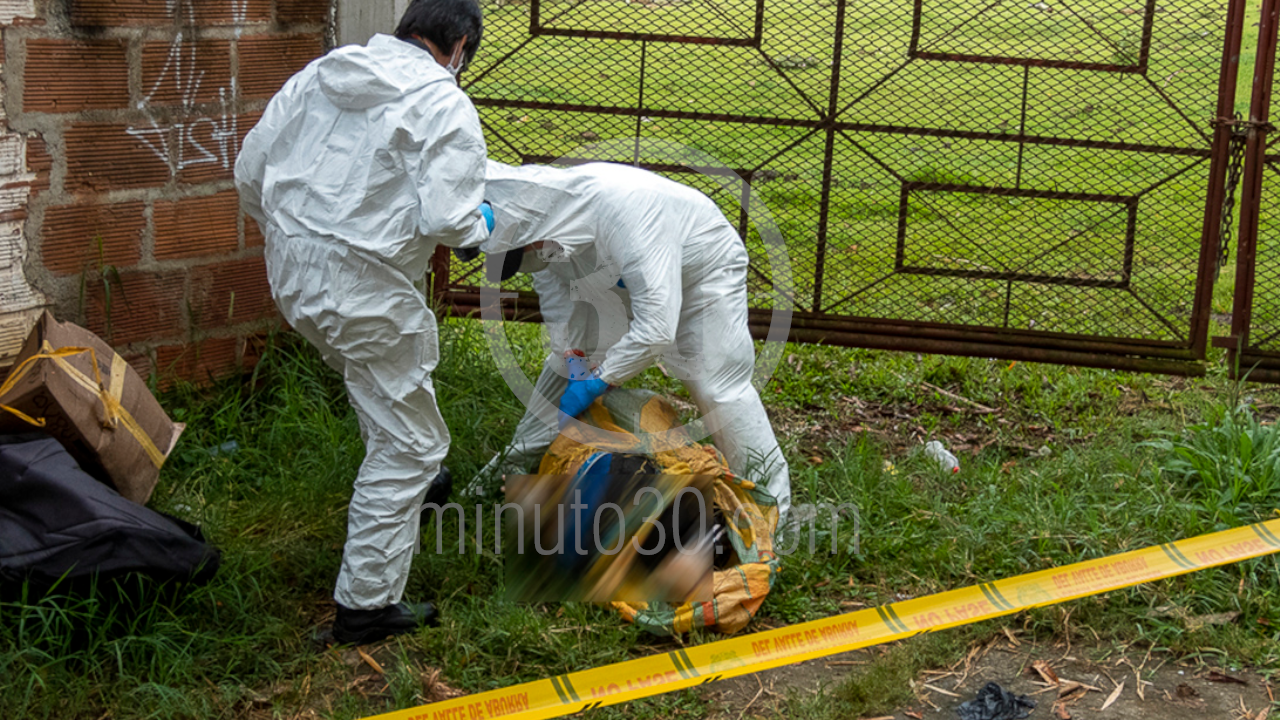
(117, 207)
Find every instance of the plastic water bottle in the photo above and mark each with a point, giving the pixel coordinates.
(935, 450)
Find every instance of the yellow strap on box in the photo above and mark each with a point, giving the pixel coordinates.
(114, 413)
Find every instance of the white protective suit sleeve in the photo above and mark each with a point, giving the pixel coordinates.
(452, 165)
(251, 163)
(628, 227)
(651, 271)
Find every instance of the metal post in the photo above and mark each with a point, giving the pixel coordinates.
(1217, 178)
(1251, 180)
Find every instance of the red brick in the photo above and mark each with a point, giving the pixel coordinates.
(303, 11)
(106, 156)
(196, 226)
(13, 201)
(186, 73)
(105, 13)
(40, 162)
(128, 13)
(199, 362)
(144, 306)
(64, 76)
(232, 12)
(209, 147)
(252, 233)
(267, 61)
(141, 364)
(230, 292)
(70, 237)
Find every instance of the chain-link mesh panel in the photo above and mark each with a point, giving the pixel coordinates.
(1264, 321)
(1008, 166)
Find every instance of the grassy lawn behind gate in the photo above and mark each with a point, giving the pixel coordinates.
(948, 234)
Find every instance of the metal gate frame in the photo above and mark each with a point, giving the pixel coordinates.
(1245, 357)
(1173, 357)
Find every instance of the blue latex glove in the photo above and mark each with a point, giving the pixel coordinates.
(487, 211)
(579, 397)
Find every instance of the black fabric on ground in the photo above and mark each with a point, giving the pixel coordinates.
(61, 528)
(995, 703)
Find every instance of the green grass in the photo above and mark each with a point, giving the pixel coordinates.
(242, 646)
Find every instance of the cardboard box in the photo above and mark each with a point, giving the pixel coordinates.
(106, 417)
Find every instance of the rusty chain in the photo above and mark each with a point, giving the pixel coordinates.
(1240, 129)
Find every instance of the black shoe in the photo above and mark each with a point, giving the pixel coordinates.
(441, 488)
(361, 627)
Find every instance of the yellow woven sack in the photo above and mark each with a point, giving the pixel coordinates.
(639, 422)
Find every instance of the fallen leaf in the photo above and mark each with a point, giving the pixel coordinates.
(1219, 677)
(1199, 621)
(1075, 694)
(1060, 712)
(912, 714)
(1112, 697)
(940, 690)
(370, 661)
(1009, 634)
(1042, 669)
(434, 689)
(1068, 687)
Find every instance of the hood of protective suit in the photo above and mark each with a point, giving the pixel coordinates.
(534, 203)
(355, 77)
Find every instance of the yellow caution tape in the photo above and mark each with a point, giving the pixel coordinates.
(702, 664)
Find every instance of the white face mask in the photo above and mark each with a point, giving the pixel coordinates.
(455, 63)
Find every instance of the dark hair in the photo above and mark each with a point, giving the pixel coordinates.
(444, 22)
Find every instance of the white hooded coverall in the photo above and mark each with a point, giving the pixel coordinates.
(682, 299)
(361, 164)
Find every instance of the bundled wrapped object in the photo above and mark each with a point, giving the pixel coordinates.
(640, 423)
(618, 528)
(72, 385)
(62, 530)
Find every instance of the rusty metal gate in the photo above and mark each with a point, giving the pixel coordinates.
(1254, 341)
(1027, 179)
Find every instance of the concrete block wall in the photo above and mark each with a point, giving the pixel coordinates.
(123, 119)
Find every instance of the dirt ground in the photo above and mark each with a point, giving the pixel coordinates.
(1067, 684)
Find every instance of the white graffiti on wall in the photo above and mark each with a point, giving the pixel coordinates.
(197, 139)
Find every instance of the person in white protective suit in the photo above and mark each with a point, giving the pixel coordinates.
(632, 268)
(364, 162)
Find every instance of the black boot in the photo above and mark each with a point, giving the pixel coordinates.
(361, 627)
(441, 488)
